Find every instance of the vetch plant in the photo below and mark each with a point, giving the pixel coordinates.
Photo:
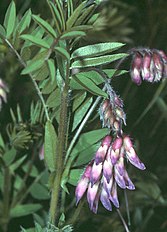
(43, 157)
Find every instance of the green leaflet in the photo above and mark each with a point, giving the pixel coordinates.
(70, 7)
(32, 66)
(96, 78)
(34, 171)
(97, 60)
(16, 164)
(45, 25)
(2, 31)
(72, 34)
(85, 15)
(10, 19)
(54, 99)
(73, 18)
(86, 155)
(89, 138)
(47, 86)
(38, 191)
(52, 70)
(96, 49)
(35, 40)
(81, 112)
(9, 156)
(58, 15)
(25, 22)
(63, 52)
(79, 98)
(23, 210)
(75, 176)
(80, 81)
(50, 144)
(86, 146)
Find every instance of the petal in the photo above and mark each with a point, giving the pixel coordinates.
(114, 196)
(107, 185)
(91, 194)
(81, 188)
(95, 173)
(119, 179)
(105, 200)
(107, 170)
(129, 184)
(134, 159)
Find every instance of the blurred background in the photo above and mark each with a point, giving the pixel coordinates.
(138, 24)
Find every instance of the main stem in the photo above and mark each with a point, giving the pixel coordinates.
(62, 134)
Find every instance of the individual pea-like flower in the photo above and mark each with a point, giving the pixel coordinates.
(3, 92)
(149, 65)
(112, 114)
(107, 171)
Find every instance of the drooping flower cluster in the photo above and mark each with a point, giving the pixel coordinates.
(148, 65)
(106, 171)
(3, 91)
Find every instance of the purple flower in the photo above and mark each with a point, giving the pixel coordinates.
(102, 176)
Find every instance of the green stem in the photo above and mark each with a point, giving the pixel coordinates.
(123, 221)
(31, 76)
(6, 199)
(62, 134)
(127, 207)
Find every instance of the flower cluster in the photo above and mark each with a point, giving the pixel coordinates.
(3, 91)
(149, 65)
(106, 171)
(112, 114)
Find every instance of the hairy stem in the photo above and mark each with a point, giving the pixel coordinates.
(62, 134)
(31, 76)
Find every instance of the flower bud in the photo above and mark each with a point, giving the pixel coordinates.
(146, 66)
(136, 68)
(158, 67)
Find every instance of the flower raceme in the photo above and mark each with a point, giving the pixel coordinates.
(149, 65)
(107, 171)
